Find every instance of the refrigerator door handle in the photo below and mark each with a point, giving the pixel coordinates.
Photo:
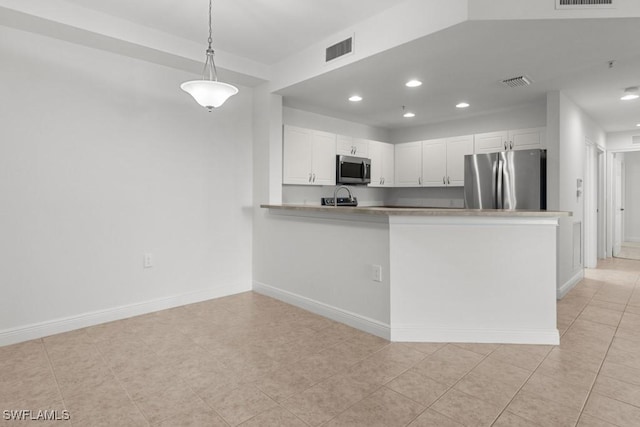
(498, 187)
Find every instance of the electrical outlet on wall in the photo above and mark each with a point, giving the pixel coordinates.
(376, 273)
(147, 260)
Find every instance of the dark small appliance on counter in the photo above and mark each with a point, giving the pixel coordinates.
(342, 201)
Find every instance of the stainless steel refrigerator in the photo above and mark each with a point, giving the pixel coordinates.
(506, 180)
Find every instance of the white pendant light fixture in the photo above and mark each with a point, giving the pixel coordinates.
(209, 92)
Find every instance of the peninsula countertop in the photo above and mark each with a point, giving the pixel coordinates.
(417, 211)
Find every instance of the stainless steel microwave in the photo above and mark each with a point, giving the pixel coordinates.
(353, 170)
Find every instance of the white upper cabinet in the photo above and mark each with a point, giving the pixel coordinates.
(443, 161)
(349, 146)
(382, 164)
(515, 139)
(434, 163)
(491, 142)
(388, 165)
(527, 139)
(457, 148)
(309, 157)
(408, 164)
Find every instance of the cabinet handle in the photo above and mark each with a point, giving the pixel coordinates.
(419, 180)
(443, 181)
(511, 145)
(505, 145)
(383, 180)
(314, 177)
(448, 180)
(309, 176)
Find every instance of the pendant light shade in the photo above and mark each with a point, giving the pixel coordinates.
(209, 92)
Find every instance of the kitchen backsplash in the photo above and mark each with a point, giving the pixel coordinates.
(452, 197)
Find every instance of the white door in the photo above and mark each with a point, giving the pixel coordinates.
(590, 206)
(618, 211)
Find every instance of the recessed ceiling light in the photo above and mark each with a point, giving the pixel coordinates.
(462, 105)
(355, 98)
(630, 93)
(638, 125)
(413, 83)
(408, 115)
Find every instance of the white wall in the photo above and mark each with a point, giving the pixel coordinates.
(525, 116)
(632, 197)
(567, 130)
(103, 158)
(306, 119)
(623, 141)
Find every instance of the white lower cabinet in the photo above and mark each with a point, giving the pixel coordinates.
(382, 164)
(309, 157)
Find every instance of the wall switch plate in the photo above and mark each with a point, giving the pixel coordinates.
(376, 273)
(148, 260)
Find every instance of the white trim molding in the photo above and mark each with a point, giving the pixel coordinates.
(409, 333)
(569, 284)
(354, 320)
(66, 324)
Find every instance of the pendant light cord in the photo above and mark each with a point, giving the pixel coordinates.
(210, 36)
(210, 65)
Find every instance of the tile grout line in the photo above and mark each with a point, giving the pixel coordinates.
(118, 380)
(53, 372)
(455, 383)
(605, 356)
(545, 358)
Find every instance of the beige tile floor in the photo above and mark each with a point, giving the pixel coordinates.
(629, 250)
(253, 361)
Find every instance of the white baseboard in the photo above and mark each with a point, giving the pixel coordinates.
(410, 333)
(57, 326)
(569, 284)
(494, 336)
(354, 320)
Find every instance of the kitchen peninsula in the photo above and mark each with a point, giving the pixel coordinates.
(419, 274)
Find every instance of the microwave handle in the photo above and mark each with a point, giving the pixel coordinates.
(364, 170)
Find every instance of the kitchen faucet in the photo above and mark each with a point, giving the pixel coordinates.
(335, 194)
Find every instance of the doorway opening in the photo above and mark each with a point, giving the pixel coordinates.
(626, 205)
(593, 205)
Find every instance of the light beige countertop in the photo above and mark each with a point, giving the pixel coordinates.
(417, 211)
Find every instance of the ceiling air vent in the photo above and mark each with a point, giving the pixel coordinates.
(517, 81)
(339, 49)
(583, 4)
